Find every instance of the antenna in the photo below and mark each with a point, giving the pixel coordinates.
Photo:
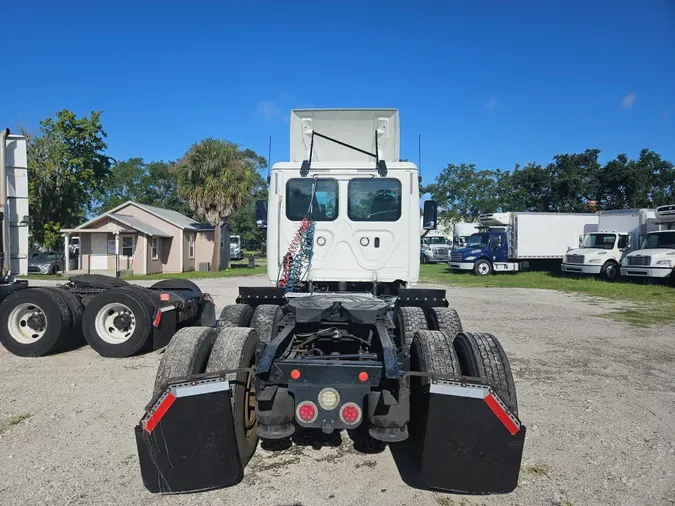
(269, 160)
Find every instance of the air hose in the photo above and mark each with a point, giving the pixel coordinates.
(299, 256)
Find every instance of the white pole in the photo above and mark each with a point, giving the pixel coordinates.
(117, 254)
(66, 238)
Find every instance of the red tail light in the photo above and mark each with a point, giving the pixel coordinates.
(306, 411)
(350, 413)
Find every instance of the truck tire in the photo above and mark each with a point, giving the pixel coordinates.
(265, 321)
(481, 355)
(446, 320)
(409, 319)
(610, 271)
(235, 315)
(34, 322)
(76, 310)
(432, 352)
(482, 267)
(186, 354)
(234, 348)
(118, 322)
(176, 284)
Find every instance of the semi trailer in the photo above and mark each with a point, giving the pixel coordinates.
(512, 242)
(341, 339)
(656, 256)
(601, 253)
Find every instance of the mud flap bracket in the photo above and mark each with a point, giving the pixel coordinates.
(471, 442)
(186, 440)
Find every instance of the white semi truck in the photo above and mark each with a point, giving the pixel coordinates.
(339, 340)
(511, 242)
(656, 256)
(601, 252)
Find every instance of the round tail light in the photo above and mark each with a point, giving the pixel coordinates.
(350, 413)
(329, 398)
(306, 411)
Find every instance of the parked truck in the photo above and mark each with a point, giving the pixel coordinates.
(511, 242)
(434, 249)
(341, 339)
(656, 256)
(236, 252)
(601, 252)
(461, 231)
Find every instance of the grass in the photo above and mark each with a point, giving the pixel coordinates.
(13, 420)
(651, 303)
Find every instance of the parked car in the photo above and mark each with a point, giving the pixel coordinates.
(46, 262)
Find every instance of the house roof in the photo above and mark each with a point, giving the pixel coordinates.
(173, 217)
(138, 224)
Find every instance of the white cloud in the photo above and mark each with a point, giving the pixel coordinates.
(493, 104)
(268, 109)
(628, 100)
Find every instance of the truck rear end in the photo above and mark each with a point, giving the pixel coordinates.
(341, 340)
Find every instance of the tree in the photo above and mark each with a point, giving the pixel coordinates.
(216, 179)
(528, 188)
(66, 170)
(151, 183)
(243, 222)
(466, 192)
(574, 180)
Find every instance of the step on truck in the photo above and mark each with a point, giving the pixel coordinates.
(601, 253)
(656, 257)
(513, 242)
(340, 340)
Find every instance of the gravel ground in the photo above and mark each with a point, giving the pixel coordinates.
(597, 396)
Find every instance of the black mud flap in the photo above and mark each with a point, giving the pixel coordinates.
(471, 442)
(186, 440)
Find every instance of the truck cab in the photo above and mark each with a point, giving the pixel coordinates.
(600, 253)
(434, 249)
(482, 251)
(656, 256)
(236, 253)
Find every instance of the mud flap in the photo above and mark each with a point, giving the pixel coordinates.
(471, 442)
(186, 440)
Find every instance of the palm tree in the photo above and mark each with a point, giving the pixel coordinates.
(216, 178)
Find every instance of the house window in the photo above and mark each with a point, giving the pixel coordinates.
(128, 245)
(191, 246)
(155, 248)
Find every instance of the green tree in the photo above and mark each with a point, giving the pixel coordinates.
(648, 181)
(465, 192)
(67, 166)
(151, 183)
(527, 188)
(216, 178)
(242, 221)
(574, 180)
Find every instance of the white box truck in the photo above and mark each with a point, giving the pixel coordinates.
(656, 256)
(461, 232)
(510, 242)
(601, 252)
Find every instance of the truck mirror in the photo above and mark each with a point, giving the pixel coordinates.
(430, 215)
(261, 213)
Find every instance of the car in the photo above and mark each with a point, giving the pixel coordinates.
(46, 262)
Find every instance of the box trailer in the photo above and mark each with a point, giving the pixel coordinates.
(512, 241)
(601, 252)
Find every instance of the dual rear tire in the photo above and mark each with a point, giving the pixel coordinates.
(198, 350)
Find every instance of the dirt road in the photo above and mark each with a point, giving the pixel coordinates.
(597, 396)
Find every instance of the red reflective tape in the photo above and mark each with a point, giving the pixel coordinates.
(157, 320)
(501, 414)
(161, 411)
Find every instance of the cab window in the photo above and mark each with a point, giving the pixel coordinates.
(497, 241)
(325, 202)
(376, 199)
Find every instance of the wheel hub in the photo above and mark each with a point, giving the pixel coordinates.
(27, 323)
(122, 321)
(36, 321)
(115, 323)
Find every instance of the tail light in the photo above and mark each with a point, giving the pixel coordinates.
(350, 413)
(306, 411)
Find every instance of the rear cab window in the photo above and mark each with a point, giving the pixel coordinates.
(376, 199)
(325, 202)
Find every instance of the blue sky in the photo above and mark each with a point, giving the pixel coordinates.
(489, 82)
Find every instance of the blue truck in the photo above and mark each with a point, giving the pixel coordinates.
(516, 241)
